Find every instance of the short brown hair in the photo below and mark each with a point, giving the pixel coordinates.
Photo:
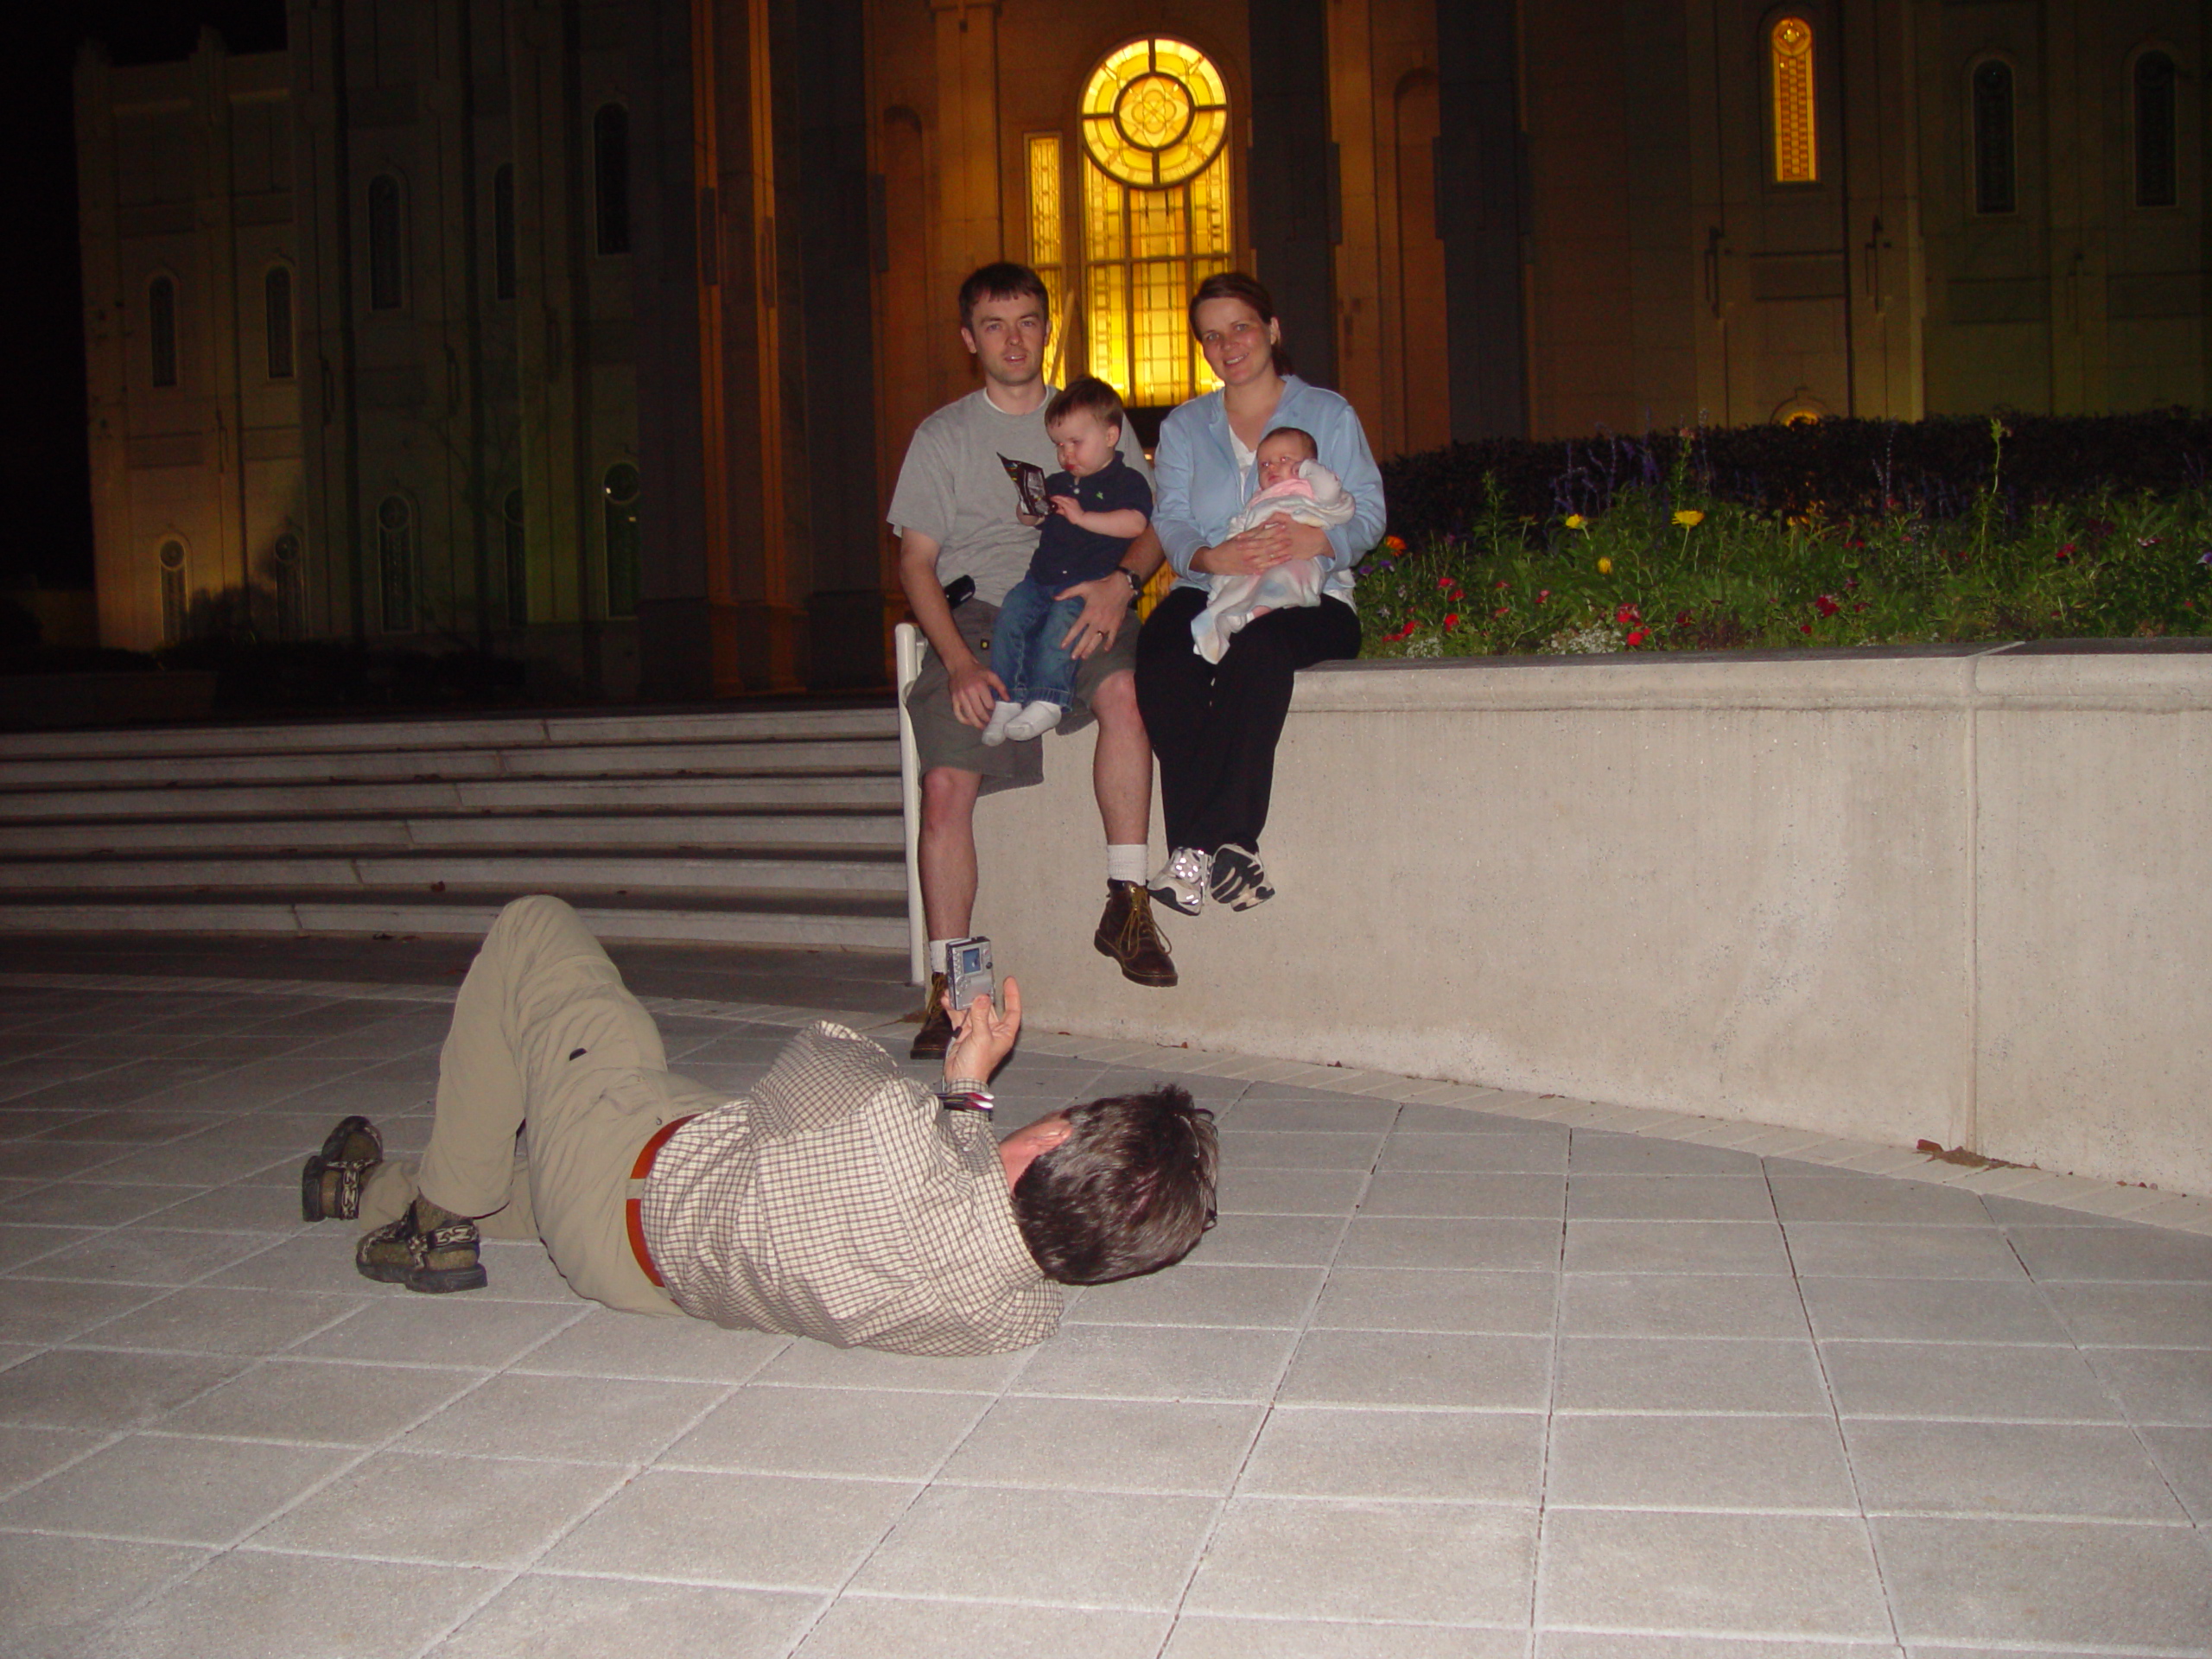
(1129, 1190)
(1087, 395)
(1003, 280)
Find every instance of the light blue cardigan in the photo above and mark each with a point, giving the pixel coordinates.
(1197, 488)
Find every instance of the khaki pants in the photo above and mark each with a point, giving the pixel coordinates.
(545, 1034)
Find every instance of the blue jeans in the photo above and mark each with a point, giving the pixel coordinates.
(1025, 651)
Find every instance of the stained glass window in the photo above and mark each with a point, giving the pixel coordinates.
(173, 613)
(1791, 56)
(1047, 232)
(276, 305)
(518, 551)
(291, 588)
(2156, 179)
(396, 564)
(610, 131)
(1156, 213)
(386, 254)
(503, 233)
(1993, 165)
(160, 330)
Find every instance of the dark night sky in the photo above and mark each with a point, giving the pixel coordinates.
(48, 531)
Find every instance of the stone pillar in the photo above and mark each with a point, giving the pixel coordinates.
(1292, 178)
(1479, 192)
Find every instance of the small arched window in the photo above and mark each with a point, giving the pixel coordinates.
(171, 560)
(1995, 169)
(277, 304)
(610, 144)
(1789, 60)
(387, 250)
(517, 551)
(1155, 212)
(2157, 173)
(291, 587)
(161, 333)
(396, 564)
(623, 488)
(503, 233)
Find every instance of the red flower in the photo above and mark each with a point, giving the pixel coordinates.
(1638, 637)
(1402, 633)
(1804, 627)
(1447, 584)
(1825, 606)
(1542, 593)
(1452, 619)
(1854, 541)
(2066, 552)
(1627, 614)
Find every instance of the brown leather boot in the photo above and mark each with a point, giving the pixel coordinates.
(936, 1034)
(1128, 933)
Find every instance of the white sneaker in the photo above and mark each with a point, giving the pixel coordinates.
(1182, 880)
(1002, 714)
(1038, 718)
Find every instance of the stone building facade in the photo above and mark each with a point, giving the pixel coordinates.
(610, 321)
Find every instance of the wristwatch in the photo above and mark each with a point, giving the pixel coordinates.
(1136, 582)
(965, 1094)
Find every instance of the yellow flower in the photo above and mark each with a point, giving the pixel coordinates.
(1689, 517)
(1575, 521)
(1604, 567)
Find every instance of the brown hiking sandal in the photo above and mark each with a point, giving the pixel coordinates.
(428, 1249)
(1128, 933)
(330, 1180)
(936, 1034)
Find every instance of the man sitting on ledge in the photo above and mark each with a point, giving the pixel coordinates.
(837, 1199)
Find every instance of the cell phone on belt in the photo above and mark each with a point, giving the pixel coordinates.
(968, 972)
(959, 591)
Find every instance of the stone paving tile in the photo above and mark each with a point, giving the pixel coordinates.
(1461, 1372)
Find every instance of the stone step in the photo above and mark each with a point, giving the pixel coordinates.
(490, 794)
(699, 918)
(599, 760)
(859, 721)
(673, 832)
(523, 872)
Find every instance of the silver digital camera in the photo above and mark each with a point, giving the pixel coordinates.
(968, 972)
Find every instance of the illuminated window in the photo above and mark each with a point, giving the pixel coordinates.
(277, 303)
(1047, 234)
(1993, 169)
(517, 561)
(387, 252)
(396, 563)
(1156, 213)
(173, 619)
(2156, 181)
(503, 233)
(622, 486)
(1790, 59)
(610, 144)
(161, 331)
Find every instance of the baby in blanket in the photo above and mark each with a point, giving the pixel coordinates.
(1293, 480)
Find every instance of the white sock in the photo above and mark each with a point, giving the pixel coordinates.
(1001, 713)
(1125, 861)
(1038, 718)
(936, 963)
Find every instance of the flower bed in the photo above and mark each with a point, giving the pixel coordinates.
(1677, 565)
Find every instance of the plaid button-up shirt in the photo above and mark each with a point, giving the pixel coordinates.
(839, 1201)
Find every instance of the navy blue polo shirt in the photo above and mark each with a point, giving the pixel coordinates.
(1068, 553)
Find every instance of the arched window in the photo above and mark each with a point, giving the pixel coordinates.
(1789, 60)
(396, 564)
(171, 560)
(610, 147)
(1048, 252)
(1994, 168)
(622, 487)
(161, 333)
(1156, 213)
(517, 551)
(2157, 175)
(291, 587)
(503, 233)
(277, 304)
(387, 250)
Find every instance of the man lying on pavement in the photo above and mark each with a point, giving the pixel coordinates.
(837, 1199)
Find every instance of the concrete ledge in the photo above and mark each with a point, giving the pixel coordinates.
(1958, 894)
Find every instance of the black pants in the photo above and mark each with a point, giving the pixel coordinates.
(1214, 725)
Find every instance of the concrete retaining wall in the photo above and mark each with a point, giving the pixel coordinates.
(1958, 894)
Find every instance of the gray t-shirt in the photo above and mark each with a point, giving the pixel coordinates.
(954, 489)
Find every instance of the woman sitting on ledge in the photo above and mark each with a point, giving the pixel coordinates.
(1215, 725)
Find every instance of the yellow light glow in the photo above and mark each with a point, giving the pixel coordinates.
(1791, 58)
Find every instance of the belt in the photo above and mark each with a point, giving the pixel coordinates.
(633, 1210)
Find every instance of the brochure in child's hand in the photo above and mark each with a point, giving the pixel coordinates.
(1029, 481)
